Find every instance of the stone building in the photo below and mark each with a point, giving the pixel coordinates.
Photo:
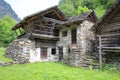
(50, 36)
(76, 40)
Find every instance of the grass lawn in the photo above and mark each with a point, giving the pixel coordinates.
(2, 58)
(53, 71)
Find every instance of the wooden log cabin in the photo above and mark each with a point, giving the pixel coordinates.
(108, 35)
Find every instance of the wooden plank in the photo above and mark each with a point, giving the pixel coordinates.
(111, 50)
(41, 36)
(111, 25)
(108, 39)
(44, 26)
(117, 28)
(43, 32)
(111, 47)
(100, 51)
(53, 20)
(110, 35)
(107, 45)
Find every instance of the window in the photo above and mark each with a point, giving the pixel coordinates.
(53, 51)
(73, 36)
(64, 33)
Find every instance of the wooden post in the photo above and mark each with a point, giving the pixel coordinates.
(100, 51)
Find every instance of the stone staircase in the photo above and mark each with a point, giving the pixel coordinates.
(90, 63)
(83, 60)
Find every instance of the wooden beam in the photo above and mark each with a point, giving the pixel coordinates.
(108, 39)
(111, 50)
(53, 20)
(48, 37)
(59, 15)
(43, 32)
(112, 25)
(111, 47)
(100, 51)
(44, 26)
(111, 29)
(110, 35)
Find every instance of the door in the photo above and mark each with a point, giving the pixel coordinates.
(43, 53)
(73, 36)
(60, 53)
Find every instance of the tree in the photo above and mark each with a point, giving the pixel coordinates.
(75, 7)
(6, 34)
(72, 7)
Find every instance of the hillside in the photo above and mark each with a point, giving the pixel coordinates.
(53, 71)
(6, 9)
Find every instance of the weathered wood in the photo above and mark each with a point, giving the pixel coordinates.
(111, 50)
(43, 26)
(100, 51)
(52, 20)
(48, 37)
(111, 47)
(111, 25)
(109, 44)
(117, 28)
(58, 15)
(108, 39)
(110, 35)
(43, 32)
(112, 42)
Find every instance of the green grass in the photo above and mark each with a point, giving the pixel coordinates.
(53, 71)
(2, 58)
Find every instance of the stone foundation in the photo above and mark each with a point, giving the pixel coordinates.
(19, 50)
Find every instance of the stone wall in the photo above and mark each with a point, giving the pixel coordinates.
(19, 50)
(82, 51)
(24, 50)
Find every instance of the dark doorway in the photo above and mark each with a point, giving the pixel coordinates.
(73, 36)
(60, 53)
(44, 53)
(53, 51)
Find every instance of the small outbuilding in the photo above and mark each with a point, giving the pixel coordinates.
(108, 35)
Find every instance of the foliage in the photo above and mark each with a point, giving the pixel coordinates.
(6, 34)
(109, 67)
(53, 71)
(2, 58)
(75, 7)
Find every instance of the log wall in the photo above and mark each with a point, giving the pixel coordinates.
(109, 39)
